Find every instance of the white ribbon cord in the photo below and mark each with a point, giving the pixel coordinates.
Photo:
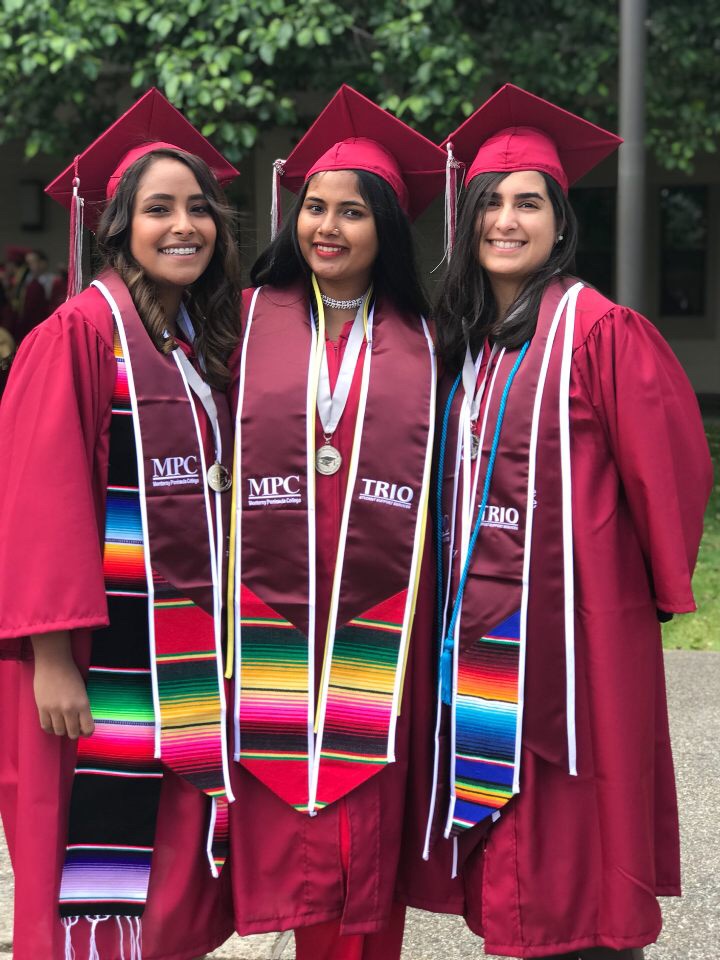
(566, 305)
(209, 837)
(567, 531)
(313, 377)
(331, 406)
(237, 507)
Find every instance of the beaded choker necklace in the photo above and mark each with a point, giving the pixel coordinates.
(342, 304)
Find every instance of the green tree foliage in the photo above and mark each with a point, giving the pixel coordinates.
(237, 68)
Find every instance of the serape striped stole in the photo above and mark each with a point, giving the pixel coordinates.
(311, 753)
(154, 683)
(490, 634)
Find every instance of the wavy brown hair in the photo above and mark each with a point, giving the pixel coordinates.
(214, 304)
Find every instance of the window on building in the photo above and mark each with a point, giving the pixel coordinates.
(683, 251)
(595, 210)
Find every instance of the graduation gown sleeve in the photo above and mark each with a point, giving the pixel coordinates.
(54, 421)
(647, 406)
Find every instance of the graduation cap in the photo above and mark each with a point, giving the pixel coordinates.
(152, 123)
(15, 254)
(515, 130)
(353, 133)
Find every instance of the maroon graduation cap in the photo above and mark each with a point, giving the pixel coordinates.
(151, 123)
(85, 186)
(353, 133)
(515, 130)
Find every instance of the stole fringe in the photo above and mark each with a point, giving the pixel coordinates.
(69, 923)
(134, 925)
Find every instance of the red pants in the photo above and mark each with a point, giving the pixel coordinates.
(323, 941)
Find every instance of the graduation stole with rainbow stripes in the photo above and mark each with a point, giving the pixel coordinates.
(311, 754)
(531, 474)
(155, 681)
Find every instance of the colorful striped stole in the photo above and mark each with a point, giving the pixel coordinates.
(311, 753)
(116, 789)
(490, 632)
(486, 707)
(154, 683)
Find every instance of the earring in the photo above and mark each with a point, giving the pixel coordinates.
(559, 237)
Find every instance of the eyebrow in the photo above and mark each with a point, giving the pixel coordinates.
(342, 203)
(523, 196)
(171, 196)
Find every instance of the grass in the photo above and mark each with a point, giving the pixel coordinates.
(701, 630)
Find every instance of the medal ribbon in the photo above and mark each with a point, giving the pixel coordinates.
(330, 407)
(470, 372)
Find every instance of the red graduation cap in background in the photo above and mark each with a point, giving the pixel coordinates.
(92, 178)
(15, 254)
(515, 130)
(353, 133)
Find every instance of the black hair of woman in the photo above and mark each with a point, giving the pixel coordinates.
(395, 271)
(465, 308)
(214, 304)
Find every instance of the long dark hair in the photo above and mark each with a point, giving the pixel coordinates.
(214, 305)
(395, 272)
(466, 308)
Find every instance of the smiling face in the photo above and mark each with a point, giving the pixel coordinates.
(172, 232)
(516, 234)
(337, 235)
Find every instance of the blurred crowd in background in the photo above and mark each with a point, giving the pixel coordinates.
(29, 292)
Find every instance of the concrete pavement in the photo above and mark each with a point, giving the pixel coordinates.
(692, 924)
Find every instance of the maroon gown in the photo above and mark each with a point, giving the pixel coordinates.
(302, 880)
(577, 862)
(54, 420)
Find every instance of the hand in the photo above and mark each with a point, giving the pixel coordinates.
(60, 693)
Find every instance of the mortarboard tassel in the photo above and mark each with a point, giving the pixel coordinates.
(275, 212)
(451, 168)
(75, 242)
